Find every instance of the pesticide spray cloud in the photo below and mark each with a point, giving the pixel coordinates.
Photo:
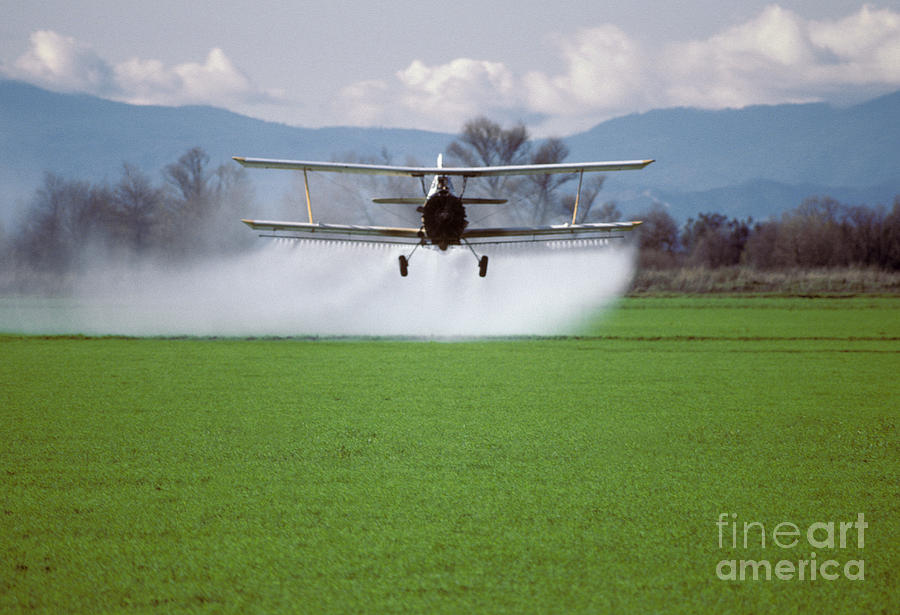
(289, 288)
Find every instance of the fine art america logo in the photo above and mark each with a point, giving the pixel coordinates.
(801, 552)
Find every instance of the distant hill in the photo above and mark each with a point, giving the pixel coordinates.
(754, 161)
(84, 137)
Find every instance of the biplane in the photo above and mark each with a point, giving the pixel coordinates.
(443, 223)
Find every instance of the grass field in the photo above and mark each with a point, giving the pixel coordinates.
(544, 475)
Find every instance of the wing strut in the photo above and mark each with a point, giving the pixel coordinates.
(577, 196)
(308, 203)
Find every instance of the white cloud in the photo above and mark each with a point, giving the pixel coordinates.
(603, 75)
(62, 63)
(436, 97)
(866, 46)
(601, 72)
(761, 61)
(217, 81)
(368, 103)
(778, 56)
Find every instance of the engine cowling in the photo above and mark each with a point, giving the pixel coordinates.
(444, 219)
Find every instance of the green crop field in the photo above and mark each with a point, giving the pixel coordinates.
(612, 472)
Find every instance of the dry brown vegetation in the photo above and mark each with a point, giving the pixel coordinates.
(746, 280)
(821, 247)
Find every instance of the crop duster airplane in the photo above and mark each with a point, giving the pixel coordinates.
(444, 222)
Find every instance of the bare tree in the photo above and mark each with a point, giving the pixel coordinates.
(48, 241)
(811, 236)
(138, 203)
(658, 238)
(590, 190)
(350, 197)
(713, 240)
(891, 237)
(759, 251)
(189, 176)
(485, 143)
(201, 213)
(609, 211)
(863, 228)
(541, 190)
(232, 195)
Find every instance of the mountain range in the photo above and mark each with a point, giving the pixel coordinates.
(756, 161)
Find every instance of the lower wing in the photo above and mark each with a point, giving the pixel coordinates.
(336, 232)
(407, 236)
(556, 232)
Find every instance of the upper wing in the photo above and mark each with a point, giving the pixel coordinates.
(375, 169)
(556, 232)
(337, 232)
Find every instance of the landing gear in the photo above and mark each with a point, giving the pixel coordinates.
(404, 259)
(482, 266)
(482, 260)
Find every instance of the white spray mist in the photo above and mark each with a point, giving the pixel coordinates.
(289, 288)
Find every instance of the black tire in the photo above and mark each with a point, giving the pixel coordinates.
(482, 266)
(404, 266)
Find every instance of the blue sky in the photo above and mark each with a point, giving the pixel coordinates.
(561, 68)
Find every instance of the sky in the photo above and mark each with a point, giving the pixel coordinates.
(559, 67)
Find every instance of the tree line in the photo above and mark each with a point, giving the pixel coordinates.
(192, 213)
(819, 233)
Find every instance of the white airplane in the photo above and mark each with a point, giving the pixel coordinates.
(444, 222)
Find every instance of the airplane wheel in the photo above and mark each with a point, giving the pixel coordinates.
(482, 266)
(404, 266)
